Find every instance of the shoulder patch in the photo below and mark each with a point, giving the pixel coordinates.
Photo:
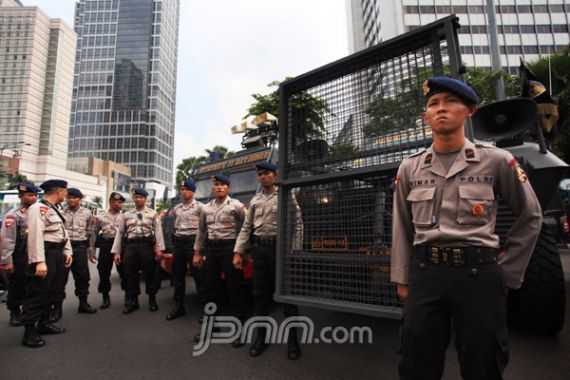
(44, 210)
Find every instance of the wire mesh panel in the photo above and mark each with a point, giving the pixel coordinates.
(344, 130)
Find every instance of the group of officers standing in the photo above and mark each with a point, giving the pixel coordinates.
(42, 243)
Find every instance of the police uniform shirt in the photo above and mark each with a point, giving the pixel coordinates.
(262, 219)
(458, 208)
(220, 221)
(137, 225)
(15, 226)
(78, 223)
(106, 224)
(187, 218)
(45, 225)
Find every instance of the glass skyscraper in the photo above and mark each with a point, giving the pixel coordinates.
(124, 90)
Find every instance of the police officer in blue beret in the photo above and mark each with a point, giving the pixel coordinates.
(186, 221)
(49, 254)
(444, 256)
(105, 229)
(14, 251)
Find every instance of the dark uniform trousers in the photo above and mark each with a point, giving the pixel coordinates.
(183, 254)
(263, 281)
(41, 292)
(17, 279)
(105, 265)
(219, 258)
(139, 256)
(80, 270)
(473, 297)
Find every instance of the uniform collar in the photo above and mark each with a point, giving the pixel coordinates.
(467, 155)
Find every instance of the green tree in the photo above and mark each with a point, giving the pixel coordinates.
(185, 168)
(98, 201)
(162, 205)
(15, 179)
(392, 112)
(557, 67)
(308, 113)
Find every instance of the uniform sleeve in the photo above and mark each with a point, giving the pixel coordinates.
(67, 250)
(241, 212)
(90, 229)
(202, 232)
(402, 228)
(36, 227)
(245, 231)
(8, 234)
(298, 225)
(95, 228)
(158, 234)
(517, 191)
(118, 242)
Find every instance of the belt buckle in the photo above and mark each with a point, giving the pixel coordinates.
(458, 257)
(434, 255)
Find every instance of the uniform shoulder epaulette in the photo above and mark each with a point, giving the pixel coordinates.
(480, 144)
(417, 153)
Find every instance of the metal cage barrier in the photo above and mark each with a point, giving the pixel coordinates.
(344, 129)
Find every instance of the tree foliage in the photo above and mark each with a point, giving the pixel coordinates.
(307, 112)
(185, 168)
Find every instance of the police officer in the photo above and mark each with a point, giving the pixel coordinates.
(14, 250)
(445, 257)
(140, 227)
(78, 222)
(49, 254)
(219, 226)
(260, 229)
(105, 229)
(186, 221)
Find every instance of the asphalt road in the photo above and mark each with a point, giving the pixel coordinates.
(144, 345)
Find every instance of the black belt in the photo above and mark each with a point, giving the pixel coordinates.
(456, 257)
(264, 241)
(143, 240)
(184, 239)
(221, 243)
(77, 243)
(54, 245)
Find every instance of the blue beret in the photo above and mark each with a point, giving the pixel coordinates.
(221, 178)
(74, 192)
(445, 84)
(266, 166)
(116, 197)
(28, 188)
(189, 184)
(140, 191)
(53, 183)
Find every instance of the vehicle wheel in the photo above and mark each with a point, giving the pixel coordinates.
(539, 305)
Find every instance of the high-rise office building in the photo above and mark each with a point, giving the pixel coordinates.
(36, 74)
(528, 29)
(124, 90)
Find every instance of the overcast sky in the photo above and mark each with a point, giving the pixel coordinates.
(229, 49)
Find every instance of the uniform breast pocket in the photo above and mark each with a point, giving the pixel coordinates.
(210, 219)
(130, 223)
(52, 222)
(421, 199)
(476, 204)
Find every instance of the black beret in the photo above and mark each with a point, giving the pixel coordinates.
(266, 166)
(221, 178)
(140, 191)
(445, 84)
(28, 188)
(189, 184)
(74, 192)
(116, 197)
(53, 183)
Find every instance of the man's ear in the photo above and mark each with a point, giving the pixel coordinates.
(472, 109)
